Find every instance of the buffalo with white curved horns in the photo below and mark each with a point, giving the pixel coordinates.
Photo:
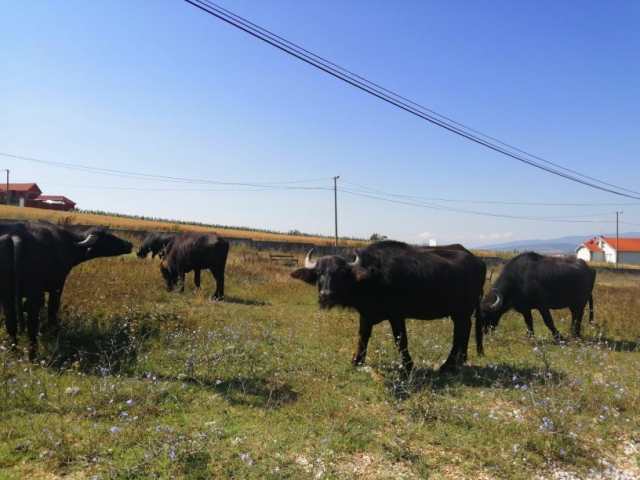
(35, 258)
(394, 281)
(530, 281)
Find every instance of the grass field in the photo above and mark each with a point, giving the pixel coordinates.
(142, 383)
(145, 383)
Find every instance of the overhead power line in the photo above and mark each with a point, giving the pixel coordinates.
(365, 192)
(491, 202)
(405, 104)
(163, 178)
(484, 214)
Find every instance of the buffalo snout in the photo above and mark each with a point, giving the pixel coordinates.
(326, 298)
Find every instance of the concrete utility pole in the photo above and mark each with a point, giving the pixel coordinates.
(335, 201)
(617, 237)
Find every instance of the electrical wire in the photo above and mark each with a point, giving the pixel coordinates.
(400, 102)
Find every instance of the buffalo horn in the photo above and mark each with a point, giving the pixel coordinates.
(307, 261)
(498, 303)
(356, 262)
(90, 241)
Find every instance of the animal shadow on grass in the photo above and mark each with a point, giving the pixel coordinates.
(254, 392)
(247, 302)
(99, 345)
(615, 345)
(499, 376)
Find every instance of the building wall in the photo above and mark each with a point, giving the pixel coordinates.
(46, 206)
(589, 256)
(609, 253)
(584, 253)
(630, 258)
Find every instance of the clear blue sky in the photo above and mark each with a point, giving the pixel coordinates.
(162, 88)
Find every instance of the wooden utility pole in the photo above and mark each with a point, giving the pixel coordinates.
(335, 202)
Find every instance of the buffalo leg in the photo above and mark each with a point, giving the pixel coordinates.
(528, 320)
(218, 274)
(181, 281)
(33, 305)
(548, 321)
(11, 319)
(576, 321)
(399, 328)
(479, 334)
(591, 309)
(53, 307)
(196, 278)
(364, 333)
(461, 334)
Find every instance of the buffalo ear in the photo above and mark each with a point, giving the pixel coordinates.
(360, 273)
(307, 275)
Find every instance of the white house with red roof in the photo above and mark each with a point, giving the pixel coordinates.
(605, 249)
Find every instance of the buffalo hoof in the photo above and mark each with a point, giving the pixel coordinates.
(450, 367)
(557, 338)
(33, 354)
(357, 360)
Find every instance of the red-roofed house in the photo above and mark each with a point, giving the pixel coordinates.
(52, 202)
(603, 249)
(30, 195)
(19, 192)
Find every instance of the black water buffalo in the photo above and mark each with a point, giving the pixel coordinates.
(531, 281)
(156, 243)
(35, 258)
(195, 251)
(393, 281)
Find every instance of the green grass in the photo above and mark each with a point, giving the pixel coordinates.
(145, 383)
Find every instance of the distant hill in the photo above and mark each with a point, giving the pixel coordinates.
(566, 245)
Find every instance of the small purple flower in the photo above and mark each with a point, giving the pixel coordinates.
(562, 452)
(114, 429)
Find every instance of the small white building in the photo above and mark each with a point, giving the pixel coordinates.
(601, 249)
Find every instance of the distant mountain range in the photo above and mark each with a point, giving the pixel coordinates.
(566, 245)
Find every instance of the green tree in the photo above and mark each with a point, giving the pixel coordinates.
(376, 237)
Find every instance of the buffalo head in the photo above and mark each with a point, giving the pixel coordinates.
(170, 277)
(491, 309)
(99, 242)
(336, 278)
(143, 251)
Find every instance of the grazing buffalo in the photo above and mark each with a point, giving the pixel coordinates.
(393, 281)
(531, 281)
(195, 251)
(157, 243)
(35, 258)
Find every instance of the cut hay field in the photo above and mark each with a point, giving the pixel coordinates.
(129, 223)
(142, 383)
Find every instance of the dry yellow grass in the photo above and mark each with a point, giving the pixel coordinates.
(126, 223)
